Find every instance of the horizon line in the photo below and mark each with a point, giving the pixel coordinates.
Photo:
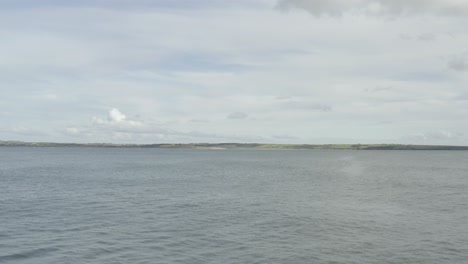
(232, 145)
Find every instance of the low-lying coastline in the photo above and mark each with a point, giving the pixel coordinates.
(220, 146)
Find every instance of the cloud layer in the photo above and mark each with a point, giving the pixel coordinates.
(378, 7)
(169, 71)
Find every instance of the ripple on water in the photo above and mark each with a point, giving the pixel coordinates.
(196, 207)
(36, 253)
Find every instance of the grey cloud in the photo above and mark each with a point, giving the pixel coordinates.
(5, 114)
(463, 96)
(378, 89)
(125, 4)
(283, 97)
(308, 106)
(237, 115)
(71, 131)
(199, 121)
(427, 37)
(458, 64)
(317, 7)
(376, 7)
(404, 36)
(59, 71)
(421, 37)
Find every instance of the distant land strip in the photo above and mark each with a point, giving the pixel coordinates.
(238, 146)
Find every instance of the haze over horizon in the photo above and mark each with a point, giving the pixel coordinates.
(276, 71)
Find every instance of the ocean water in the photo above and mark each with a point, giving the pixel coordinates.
(98, 205)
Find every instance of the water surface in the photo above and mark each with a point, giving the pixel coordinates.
(99, 205)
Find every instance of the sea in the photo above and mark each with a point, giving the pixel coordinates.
(135, 205)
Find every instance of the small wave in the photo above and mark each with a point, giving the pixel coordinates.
(34, 253)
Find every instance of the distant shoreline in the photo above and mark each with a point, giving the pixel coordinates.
(222, 146)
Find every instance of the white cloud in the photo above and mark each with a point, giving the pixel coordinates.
(118, 128)
(117, 119)
(116, 116)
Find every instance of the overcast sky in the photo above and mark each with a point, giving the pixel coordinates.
(279, 71)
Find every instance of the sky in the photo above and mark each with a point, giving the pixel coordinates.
(266, 71)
